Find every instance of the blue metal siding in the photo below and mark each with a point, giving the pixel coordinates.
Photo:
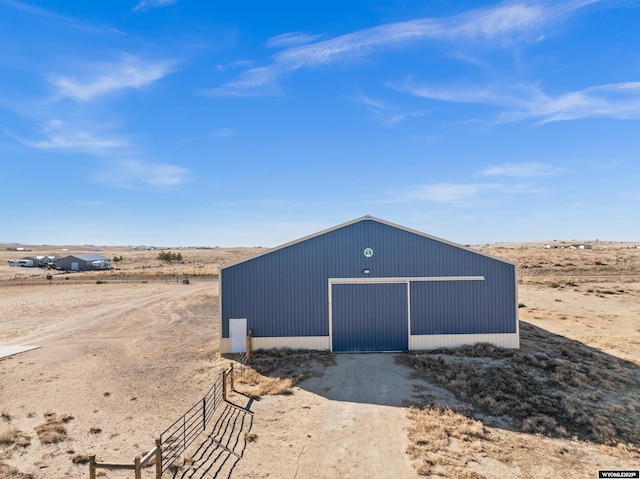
(369, 317)
(460, 307)
(285, 292)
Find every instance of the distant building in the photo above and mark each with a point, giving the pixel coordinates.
(24, 262)
(43, 261)
(83, 262)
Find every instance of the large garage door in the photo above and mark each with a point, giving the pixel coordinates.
(369, 317)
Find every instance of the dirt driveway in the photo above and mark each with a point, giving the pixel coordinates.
(347, 422)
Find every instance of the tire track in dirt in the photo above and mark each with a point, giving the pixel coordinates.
(348, 423)
(102, 320)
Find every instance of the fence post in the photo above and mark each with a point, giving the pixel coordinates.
(249, 345)
(224, 385)
(92, 467)
(158, 458)
(231, 371)
(138, 468)
(204, 413)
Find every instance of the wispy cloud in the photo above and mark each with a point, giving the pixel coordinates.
(525, 102)
(147, 4)
(106, 78)
(461, 193)
(521, 170)
(400, 117)
(290, 39)
(58, 135)
(506, 22)
(447, 192)
(371, 102)
(52, 16)
(223, 67)
(135, 173)
(255, 81)
(385, 113)
(61, 136)
(80, 141)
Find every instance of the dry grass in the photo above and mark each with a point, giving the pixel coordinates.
(434, 436)
(254, 384)
(603, 260)
(53, 430)
(551, 386)
(80, 459)
(8, 472)
(277, 371)
(14, 437)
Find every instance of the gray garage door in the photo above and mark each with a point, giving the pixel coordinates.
(370, 317)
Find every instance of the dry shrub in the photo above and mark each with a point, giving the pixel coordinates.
(301, 360)
(53, 430)
(14, 437)
(256, 385)
(539, 425)
(80, 460)
(551, 386)
(277, 371)
(434, 430)
(8, 472)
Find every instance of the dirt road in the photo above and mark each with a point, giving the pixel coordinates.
(122, 360)
(100, 316)
(347, 423)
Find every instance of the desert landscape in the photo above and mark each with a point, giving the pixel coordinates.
(120, 355)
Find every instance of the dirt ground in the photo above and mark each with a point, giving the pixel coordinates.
(124, 353)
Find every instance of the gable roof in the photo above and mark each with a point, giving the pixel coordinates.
(358, 220)
(88, 257)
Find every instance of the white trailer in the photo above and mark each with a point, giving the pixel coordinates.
(24, 263)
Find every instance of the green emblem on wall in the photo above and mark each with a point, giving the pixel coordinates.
(368, 252)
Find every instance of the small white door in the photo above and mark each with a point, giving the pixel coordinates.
(74, 266)
(238, 335)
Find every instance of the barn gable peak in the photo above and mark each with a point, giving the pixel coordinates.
(360, 220)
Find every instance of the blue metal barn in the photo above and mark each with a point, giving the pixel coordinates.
(369, 285)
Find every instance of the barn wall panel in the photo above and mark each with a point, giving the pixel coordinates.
(461, 307)
(284, 293)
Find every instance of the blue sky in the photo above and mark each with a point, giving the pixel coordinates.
(251, 123)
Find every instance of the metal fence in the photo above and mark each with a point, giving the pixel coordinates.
(178, 437)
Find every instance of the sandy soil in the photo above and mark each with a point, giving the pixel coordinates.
(348, 422)
(121, 360)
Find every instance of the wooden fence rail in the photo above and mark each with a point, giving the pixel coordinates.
(138, 463)
(179, 436)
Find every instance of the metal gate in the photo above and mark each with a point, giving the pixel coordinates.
(369, 317)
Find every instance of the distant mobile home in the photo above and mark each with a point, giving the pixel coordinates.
(83, 262)
(24, 262)
(43, 261)
(33, 261)
(369, 285)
